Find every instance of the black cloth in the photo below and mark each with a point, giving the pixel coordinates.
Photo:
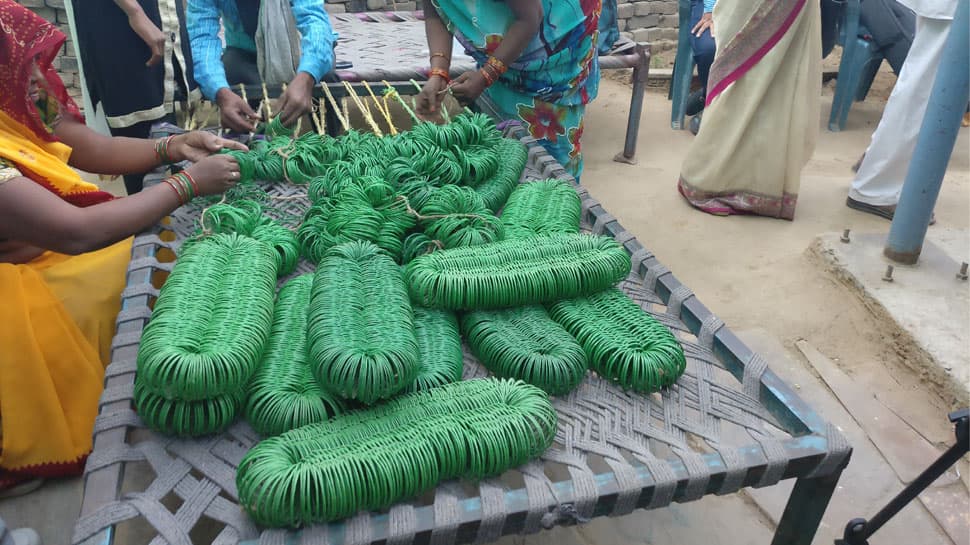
(248, 15)
(113, 57)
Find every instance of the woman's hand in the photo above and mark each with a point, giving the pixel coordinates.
(468, 87)
(153, 37)
(215, 174)
(430, 99)
(197, 145)
(706, 22)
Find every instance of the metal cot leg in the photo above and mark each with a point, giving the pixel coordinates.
(805, 508)
(640, 73)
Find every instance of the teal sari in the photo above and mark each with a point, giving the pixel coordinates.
(548, 86)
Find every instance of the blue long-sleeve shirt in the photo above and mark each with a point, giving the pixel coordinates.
(709, 5)
(202, 22)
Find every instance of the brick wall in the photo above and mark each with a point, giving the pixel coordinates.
(66, 62)
(652, 21)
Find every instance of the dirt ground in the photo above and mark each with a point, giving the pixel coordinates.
(757, 272)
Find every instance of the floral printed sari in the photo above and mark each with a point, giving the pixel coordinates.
(549, 85)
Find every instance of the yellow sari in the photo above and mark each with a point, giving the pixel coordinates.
(58, 315)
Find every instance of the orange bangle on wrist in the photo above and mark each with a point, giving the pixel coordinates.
(489, 79)
(498, 66)
(441, 73)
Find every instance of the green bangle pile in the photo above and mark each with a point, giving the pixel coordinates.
(370, 459)
(186, 418)
(622, 342)
(369, 211)
(457, 217)
(538, 208)
(276, 128)
(496, 191)
(517, 272)
(206, 334)
(439, 348)
(245, 217)
(417, 244)
(524, 343)
(283, 394)
(360, 328)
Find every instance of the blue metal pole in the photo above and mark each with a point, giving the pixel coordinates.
(937, 137)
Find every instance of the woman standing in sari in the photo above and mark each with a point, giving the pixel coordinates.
(537, 63)
(761, 118)
(64, 249)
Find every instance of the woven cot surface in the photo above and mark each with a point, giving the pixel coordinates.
(180, 490)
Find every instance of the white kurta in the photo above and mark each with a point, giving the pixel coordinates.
(883, 171)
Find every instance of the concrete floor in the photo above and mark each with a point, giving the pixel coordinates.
(760, 277)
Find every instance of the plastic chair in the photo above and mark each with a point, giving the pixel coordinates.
(683, 69)
(860, 63)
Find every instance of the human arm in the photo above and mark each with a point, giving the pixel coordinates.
(94, 152)
(202, 22)
(316, 59)
(153, 36)
(527, 16)
(439, 44)
(706, 21)
(33, 218)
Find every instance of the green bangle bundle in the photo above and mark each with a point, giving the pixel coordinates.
(541, 207)
(457, 217)
(283, 394)
(369, 211)
(206, 334)
(276, 128)
(283, 241)
(622, 342)
(496, 191)
(417, 244)
(360, 329)
(517, 272)
(439, 348)
(246, 217)
(525, 344)
(371, 459)
(186, 418)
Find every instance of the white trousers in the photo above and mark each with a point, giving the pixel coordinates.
(881, 175)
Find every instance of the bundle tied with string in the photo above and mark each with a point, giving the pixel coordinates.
(245, 217)
(360, 327)
(439, 348)
(457, 217)
(371, 459)
(417, 244)
(622, 342)
(516, 272)
(367, 210)
(283, 393)
(524, 343)
(541, 207)
(496, 190)
(206, 334)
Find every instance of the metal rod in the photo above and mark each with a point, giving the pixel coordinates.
(908, 494)
(640, 73)
(937, 136)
